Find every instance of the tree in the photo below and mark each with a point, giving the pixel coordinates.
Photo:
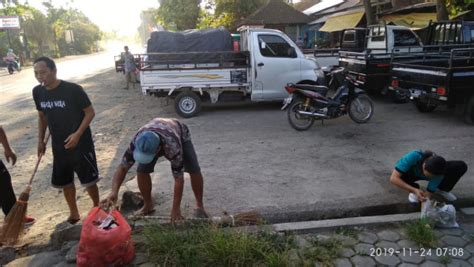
(148, 22)
(38, 30)
(369, 13)
(179, 14)
(441, 10)
(228, 13)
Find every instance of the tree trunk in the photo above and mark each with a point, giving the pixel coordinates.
(441, 11)
(369, 13)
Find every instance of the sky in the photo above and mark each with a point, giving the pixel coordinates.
(120, 15)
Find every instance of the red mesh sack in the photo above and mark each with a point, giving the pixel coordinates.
(109, 246)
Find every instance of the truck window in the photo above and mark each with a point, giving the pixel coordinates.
(378, 34)
(472, 35)
(349, 36)
(439, 34)
(404, 38)
(275, 46)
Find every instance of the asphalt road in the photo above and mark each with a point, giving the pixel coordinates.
(250, 156)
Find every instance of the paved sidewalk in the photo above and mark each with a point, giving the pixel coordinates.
(390, 246)
(381, 243)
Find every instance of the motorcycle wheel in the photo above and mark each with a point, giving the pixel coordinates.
(361, 109)
(297, 121)
(10, 70)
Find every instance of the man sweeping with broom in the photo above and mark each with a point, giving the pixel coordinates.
(66, 110)
(161, 137)
(7, 195)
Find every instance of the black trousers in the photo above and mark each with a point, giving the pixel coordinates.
(455, 169)
(7, 195)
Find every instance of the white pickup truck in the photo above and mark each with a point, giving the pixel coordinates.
(268, 60)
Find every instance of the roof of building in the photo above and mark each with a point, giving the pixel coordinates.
(276, 12)
(325, 4)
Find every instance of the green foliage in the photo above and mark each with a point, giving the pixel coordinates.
(148, 21)
(322, 252)
(455, 7)
(348, 231)
(46, 33)
(178, 15)
(445, 259)
(228, 13)
(207, 245)
(421, 232)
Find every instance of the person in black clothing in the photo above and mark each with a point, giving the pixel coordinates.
(66, 110)
(7, 195)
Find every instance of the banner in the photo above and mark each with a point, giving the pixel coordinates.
(9, 22)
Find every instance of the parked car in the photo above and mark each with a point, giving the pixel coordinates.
(350, 40)
(371, 67)
(268, 60)
(443, 73)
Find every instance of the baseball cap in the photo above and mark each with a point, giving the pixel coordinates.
(146, 147)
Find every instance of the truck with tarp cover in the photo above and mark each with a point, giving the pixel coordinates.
(196, 67)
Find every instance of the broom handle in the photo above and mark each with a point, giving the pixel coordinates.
(38, 162)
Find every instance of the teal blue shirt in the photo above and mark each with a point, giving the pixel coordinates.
(411, 164)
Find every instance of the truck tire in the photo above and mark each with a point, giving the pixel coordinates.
(424, 107)
(469, 111)
(187, 104)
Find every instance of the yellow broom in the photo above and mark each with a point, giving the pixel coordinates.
(15, 220)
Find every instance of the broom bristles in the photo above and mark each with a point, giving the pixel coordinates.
(247, 218)
(15, 221)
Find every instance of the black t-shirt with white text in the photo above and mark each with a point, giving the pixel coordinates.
(63, 107)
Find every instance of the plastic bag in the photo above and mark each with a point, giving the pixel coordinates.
(105, 240)
(443, 215)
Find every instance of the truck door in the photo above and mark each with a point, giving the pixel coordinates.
(274, 66)
(405, 41)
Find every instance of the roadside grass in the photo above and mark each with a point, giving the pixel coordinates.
(322, 252)
(349, 231)
(207, 245)
(421, 232)
(445, 259)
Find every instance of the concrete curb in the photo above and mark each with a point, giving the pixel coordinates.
(315, 226)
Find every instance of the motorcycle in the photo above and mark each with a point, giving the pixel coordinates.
(12, 65)
(308, 103)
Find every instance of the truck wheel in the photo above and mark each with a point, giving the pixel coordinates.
(469, 111)
(424, 107)
(187, 104)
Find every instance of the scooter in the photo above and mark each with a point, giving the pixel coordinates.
(12, 65)
(308, 103)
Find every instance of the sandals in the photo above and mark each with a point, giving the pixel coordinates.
(200, 213)
(72, 221)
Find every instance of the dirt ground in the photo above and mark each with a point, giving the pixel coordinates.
(250, 156)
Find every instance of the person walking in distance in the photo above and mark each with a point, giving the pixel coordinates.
(66, 110)
(129, 68)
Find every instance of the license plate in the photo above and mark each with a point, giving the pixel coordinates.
(286, 102)
(415, 93)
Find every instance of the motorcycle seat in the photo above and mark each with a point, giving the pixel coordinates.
(320, 89)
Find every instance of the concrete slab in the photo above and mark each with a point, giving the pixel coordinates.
(313, 226)
(468, 211)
